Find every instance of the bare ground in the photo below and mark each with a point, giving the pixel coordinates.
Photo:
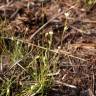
(77, 62)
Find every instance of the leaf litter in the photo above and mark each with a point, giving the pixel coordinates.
(77, 61)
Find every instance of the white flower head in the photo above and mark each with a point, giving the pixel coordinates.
(67, 14)
(46, 34)
(51, 32)
(59, 47)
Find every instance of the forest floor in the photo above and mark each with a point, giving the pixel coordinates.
(47, 48)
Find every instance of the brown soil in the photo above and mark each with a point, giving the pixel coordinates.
(77, 66)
